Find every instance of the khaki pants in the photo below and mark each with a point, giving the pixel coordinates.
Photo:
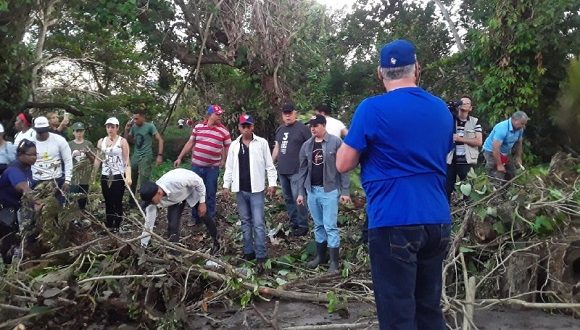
(491, 169)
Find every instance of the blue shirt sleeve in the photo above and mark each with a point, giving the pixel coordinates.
(358, 131)
(15, 176)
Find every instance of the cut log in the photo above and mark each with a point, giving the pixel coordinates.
(521, 275)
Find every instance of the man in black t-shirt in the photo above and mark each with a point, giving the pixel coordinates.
(319, 178)
(289, 138)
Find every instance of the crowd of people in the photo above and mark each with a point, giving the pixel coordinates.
(409, 146)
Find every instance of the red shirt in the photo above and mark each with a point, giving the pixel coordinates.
(210, 142)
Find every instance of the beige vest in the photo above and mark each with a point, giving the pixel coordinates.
(471, 153)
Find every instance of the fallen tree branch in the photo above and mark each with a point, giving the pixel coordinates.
(527, 304)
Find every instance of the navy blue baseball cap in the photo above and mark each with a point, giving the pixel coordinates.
(398, 53)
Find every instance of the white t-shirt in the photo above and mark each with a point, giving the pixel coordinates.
(334, 127)
(50, 155)
(30, 135)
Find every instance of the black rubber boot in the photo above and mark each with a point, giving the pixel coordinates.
(321, 256)
(333, 266)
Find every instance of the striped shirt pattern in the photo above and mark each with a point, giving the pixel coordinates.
(209, 144)
(460, 131)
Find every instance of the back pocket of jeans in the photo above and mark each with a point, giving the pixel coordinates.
(404, 244)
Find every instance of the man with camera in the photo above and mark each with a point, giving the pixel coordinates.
(466, 142)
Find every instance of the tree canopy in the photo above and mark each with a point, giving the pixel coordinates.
(101, 57)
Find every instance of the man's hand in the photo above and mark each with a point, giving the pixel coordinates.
(500, 168)
(345, 199)
(177, 162)
(456, 138)
(518, 163)
(159, 160)
(65, 187)
(271, 192)
(201, 209)
(300, 200)
(222, 163)
(226, 193)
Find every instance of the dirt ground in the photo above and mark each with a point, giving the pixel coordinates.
(293, 314)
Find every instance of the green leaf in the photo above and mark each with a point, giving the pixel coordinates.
(245, 299)
(491, 211)
(464, 249)
(465, 189)
(281, 281)
(283, 272)
(499, 227)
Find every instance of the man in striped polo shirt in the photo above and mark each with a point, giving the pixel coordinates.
(209, 143)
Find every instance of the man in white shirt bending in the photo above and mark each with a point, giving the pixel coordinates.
(172, 191)
(53, 158)
(333, 126)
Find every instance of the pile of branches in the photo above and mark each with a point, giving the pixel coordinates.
(516, 242)
(513, 244)
(74, 276)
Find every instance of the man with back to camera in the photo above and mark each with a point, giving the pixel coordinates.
(499, 145)
(401, 139)
(289, 139)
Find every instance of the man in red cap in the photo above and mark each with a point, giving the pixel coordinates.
(248, 164)
(209, 143)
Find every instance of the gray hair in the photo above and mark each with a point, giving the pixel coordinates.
(520, 115)
(398, 73)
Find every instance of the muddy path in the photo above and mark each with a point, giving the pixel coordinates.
(300, 314)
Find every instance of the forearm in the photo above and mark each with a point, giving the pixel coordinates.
(185, 150)
(160, 146)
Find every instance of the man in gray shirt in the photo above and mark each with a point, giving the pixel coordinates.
(289, 138)
(319, 178)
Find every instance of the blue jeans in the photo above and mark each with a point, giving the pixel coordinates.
(290, 187)
(209, 175)
(323, 207)
(406, 265)
(251, 209)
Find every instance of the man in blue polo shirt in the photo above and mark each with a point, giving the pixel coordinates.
(401, 139)
(498, 146)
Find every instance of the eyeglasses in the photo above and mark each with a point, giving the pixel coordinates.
(26, 154)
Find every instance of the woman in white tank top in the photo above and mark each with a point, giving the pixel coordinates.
(113, 153)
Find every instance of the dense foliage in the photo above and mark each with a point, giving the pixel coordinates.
(174, 57)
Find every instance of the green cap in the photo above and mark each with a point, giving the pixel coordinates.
(78, 126)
